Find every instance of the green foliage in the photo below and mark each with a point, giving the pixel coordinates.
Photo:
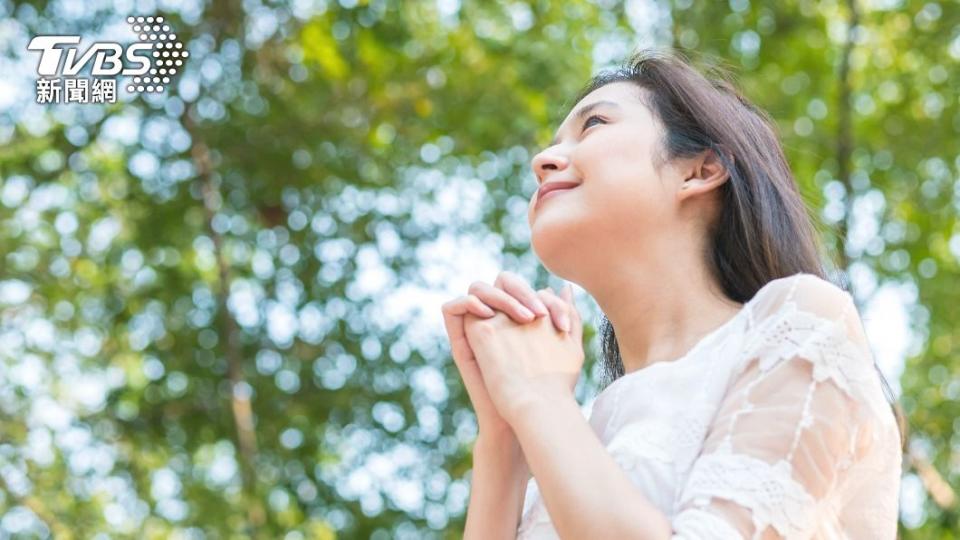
(194, 336)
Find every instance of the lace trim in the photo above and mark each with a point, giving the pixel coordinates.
(825, 343)
(769, 491)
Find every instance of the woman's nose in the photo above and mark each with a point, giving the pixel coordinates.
(547, 161)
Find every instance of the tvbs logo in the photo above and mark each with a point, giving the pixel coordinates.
(152, 63)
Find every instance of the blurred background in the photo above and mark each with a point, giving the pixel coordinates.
(220, 304)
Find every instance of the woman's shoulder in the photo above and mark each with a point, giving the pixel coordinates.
(805, 319)
(806, 293)
(800, 286)
(805, 310)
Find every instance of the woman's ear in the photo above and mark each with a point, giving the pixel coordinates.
(706, 172)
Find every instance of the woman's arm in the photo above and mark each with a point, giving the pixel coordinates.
(585, 491)
(498, 485)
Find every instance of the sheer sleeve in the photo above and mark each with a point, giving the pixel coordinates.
(799, 410)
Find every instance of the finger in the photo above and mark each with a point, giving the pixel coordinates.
(517, 287)
(570, 308)
(559, 309)
(478, 307)
(567, 293)
(502, 300)
(468, 304)
(454, 313)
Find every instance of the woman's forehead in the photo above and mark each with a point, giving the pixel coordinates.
(621, 95)
(625, 94)
(617, 90)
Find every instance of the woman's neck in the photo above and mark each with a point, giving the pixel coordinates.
(659, 314)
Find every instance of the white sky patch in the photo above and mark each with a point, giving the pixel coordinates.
(47, 412)
(14, 291)
(449, 265)
(865, 226)
(887, 326)
(461, 198)
(9, 94)
(652, 21)
(912, 495)
(281, 323)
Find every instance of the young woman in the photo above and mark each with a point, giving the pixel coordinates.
(743, 400)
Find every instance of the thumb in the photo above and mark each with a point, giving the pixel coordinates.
(567, 293)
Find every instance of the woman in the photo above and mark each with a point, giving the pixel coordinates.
(744, 400)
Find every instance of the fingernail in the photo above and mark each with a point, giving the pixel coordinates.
(527, 313)
(564, 322)
(542, 308)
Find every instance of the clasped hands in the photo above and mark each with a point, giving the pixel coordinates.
(510, 354)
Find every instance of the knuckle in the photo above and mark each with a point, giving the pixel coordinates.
(514, 278)
(485, 327)
(476, 287)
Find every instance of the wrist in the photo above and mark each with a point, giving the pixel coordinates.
(495, 431)
(539, 400)
(528, 417)
(499, 450)
(497, 442)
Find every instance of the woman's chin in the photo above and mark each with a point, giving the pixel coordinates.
(555, 242)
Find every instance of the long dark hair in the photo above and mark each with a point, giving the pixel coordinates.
(764, 230)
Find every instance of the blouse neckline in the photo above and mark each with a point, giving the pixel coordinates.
(702, 342)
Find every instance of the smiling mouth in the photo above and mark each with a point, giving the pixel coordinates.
(552, 192)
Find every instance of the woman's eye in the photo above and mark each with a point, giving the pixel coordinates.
(587, 123)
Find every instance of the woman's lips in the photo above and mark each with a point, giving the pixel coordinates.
(548, 189)
(549, 193)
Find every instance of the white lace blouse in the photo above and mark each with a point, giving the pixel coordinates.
(774, 425)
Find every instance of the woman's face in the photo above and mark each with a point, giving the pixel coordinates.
(620, 201)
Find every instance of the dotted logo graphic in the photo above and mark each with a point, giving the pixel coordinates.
(168, 55)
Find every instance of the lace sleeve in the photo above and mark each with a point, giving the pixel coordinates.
(793, 420)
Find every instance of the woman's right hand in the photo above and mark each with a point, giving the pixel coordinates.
(514, 297)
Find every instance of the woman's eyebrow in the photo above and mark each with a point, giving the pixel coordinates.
(583, 111)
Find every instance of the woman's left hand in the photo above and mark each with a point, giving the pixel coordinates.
(526, 362)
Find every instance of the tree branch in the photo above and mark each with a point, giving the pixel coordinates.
(239, 388)
(845, 134)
